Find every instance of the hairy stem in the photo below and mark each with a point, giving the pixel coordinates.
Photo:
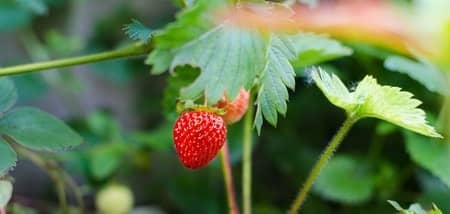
(323, 160)
(247, 159)
(228, 178)
(132, 50)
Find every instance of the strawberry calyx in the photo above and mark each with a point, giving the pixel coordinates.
(189, 105)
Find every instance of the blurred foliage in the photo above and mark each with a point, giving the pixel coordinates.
(376, 162)
(346, 179)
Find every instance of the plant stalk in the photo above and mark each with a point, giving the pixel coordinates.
(132, 50)
(75, 189)
(228, 178)
(51, 171)
(247, 159)
(320, 164)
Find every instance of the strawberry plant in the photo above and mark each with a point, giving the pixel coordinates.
(231, 70)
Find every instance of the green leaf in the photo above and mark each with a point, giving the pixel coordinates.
(38, 130)
(345, 179)
(229, 58)
(395, 205)
(284, 52)
(160, 60)
(190, 24)
(6, 190)
(12, 18)
(414, 209)
(313, 49)
(373, 100)
(335, 91)
(393, 105)
(105, 159)
(276, 77)
(431, 155)
(8, 157)
(424, 73)
(30, 86)
(138, 31)
(8, 94)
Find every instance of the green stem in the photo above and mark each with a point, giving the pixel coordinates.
(323, 160)
(75, 189)
(247, 159)
(52, 172)
(228, 178)
(132, 50)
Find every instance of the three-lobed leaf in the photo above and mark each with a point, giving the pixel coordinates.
(38, 130)
(373, 100)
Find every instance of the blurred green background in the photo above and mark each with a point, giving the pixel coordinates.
(118, 108)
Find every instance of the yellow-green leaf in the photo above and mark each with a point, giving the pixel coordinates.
(373, 100)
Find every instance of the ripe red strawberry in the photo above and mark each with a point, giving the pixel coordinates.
(198, 137)
(235, 109)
